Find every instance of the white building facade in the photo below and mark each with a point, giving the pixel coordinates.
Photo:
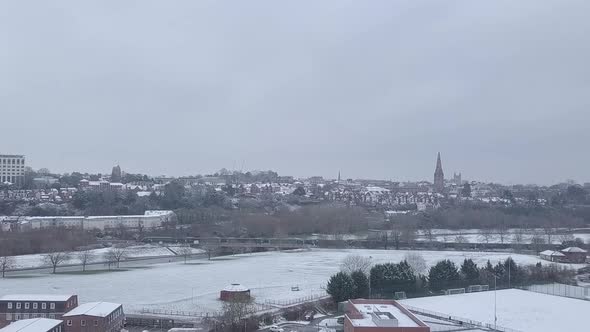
(149, 220)
(12, 169)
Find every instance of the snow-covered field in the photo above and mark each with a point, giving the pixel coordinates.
(516, 309)
(36, 260)
(474, 236)
(195, 286)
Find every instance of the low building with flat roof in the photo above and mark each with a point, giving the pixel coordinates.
(95, 317)
(17, 307)
(35, 325)
(380, 316)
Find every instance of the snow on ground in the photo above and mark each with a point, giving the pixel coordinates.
(516, 309)
(474, 236)
(36, 260)
(195, 286)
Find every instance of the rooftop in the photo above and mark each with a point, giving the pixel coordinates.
(32, 325)
(574, 249)
(97, 309)
(375, 313)
(235, 288)
(35, 297)
(551, 253)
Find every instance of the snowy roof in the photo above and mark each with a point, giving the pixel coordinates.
(97, 309)
(35, 297)
(551, 253)
(235, 288)
(381, 315)
(32, 325)
(573, 249)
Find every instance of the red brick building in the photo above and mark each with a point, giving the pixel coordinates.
(234, 292)
(35, 325)
(24, 306)
(575, 255)
(95, 317)
(380, 316)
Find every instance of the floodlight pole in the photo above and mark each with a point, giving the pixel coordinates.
(495, 303)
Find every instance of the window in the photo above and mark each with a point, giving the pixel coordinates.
(26, 305)
(96, 322)
(35, 305)
(9, 305)
(52, 305)
(18, 305)
(43, 305)
(69, 322)
(9, 317)
(83, 322)
(17, 317)
(52, 316)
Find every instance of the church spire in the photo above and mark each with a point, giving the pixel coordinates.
(438, 163)
(439, 176)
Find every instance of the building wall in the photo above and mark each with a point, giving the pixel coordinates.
(12, 169)
(111, 323)
(9, 315)
(148, 221)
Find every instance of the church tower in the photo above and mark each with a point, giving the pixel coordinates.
(439, 176)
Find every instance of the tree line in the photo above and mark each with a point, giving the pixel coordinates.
(384, 280)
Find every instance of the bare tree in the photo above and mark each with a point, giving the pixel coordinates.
(416, 261)
(502, 232)
(85, 257)
(566, 237)
(408, 234)
(537, 242)
(486, 235)
(518, 237)
(460, 238)
(236, 310)
(6, 263)
(549, 233)
(185, 252)
(56, 258)
(115, 255)
(352, 263)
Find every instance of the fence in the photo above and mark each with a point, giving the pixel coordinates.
(563, 290)
(300, 300)
(179, 313)
(464, 321)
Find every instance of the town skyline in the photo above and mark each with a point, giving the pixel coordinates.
(448, 174)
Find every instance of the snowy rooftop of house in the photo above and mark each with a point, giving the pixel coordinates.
(35, 297)
(97, 309)
(573, 249)
(235, 288)
(381, 315)
(32, 325)
(551, 253)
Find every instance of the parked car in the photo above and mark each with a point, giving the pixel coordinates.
(340, 320)
(275, 328)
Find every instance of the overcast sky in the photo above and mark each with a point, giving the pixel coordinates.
(372, 88)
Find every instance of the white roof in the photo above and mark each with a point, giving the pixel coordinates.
(235, 288)
(97, 309)
(370, 310)
(35, 297)
(573, 249)
(551, 253)
(32, 325)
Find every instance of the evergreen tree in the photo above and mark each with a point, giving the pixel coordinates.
(469, 271)
(361, 284)
(443, 275)
(341, 287)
